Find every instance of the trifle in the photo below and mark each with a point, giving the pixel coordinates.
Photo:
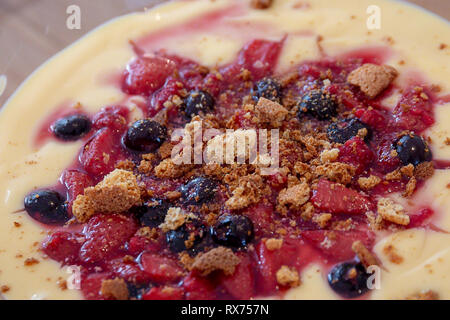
(233, 150)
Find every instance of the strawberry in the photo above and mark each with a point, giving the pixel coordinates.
(129, 271)
(198, 288)
(262, 216)
(164, 293)
(62, 247)
(113, 117)
(337, 245)
(101, 153)
(145, 75)
(171, 88)
(138, 244)
(241, 284)
(356, 152)
(91, 285)
(105, 235)
(75, 181)
(335, 198)
(418, 219)
(159, 268)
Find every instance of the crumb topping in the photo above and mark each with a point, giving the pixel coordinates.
(392, 212)
(294, 197)
(364, 255)
(270, 112)
(372, 79)
(369, 182)
(220, 258)
(115, 289)
(261, 4)
(273, 244)
(288, 277)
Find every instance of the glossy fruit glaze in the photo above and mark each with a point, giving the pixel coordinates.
(107, 246)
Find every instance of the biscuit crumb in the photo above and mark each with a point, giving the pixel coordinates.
(261, 4)
(322, 219)
(408, 170)
(392, 212)
(248, 191)
(294, 196)
(424, 295)
(369, 182)
(175, 218)
(329, 155)
(5, 289)
(424, 170)
(337, 172)
(118, 192)
(288, 277)
(270, 112)
(273, 244)
(391, 253)
(220, 258)
(372, 79)
(30, 262)
(114, 289)
(168, 169)
(364, 255)
(410, 187)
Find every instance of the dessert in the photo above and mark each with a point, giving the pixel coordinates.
(361, 181)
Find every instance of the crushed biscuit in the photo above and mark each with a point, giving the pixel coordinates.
(369, 182)
(329, 155)
(261, 4)
(247, 192)
(270, 112)
(390, 251)
(118, 192)
(424, 170)
(168, 169)
(220, 258)
(294, 196)
(115, 289)
(175, 218)
(392, 212)
(364, 255)
(336, 172)
(408, 170)
(30, 262)
(410, 187)
(273, 244)
(322, 219)
(372, 79)
(288, 277)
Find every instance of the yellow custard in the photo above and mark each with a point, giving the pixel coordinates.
(75, 74)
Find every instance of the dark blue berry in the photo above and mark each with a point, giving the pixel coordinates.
(319, 104)
(198, 102)
(72, 127)
(346, 129)
(136, 291)
(152, 213)
(199, 191)
(47, 206)
(177, 239)
(145, 136)
(349, 279)
(267, 88)
(233, 231)
(412, 149)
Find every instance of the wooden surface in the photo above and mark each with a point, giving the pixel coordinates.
(31, 31)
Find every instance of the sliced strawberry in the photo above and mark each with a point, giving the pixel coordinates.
(198, 288)
(75, 181)
(335, 198)
(146, 75)
(159, 268)
(63, 247)
(91, 285)
(356, 152)
(262, 217)
(418, 219)
(138, 244)
(101, 153)
(373, 117)
(129, 271)
(241, 284)
(113, 117)
(105, 235)
(337, 245)
(171, 88)
(164, 293)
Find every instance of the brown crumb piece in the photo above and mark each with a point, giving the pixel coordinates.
(394, 175)
(220, 258)
(329, 155)
(337, 172)
(168, 169)
(294, 196)
(147, 232)
(17, 224)
(391, 253)
(270, 112)
(114, 289)
(165, 151)
(186, 260)
(392, 212)
(125, 165)
(408, 170)
(288, 277)
(172, 195)
(364, 255)
(4, 289)
(410, 187)
(424, 295)
(62, 284)
(175, 218)
(369, 182)
(248, 191)
(118, 192)
(145, 167)
(30, 262)
(273, 244)
(261, 4)
(372, 79)
(322, 219)
(424, 170)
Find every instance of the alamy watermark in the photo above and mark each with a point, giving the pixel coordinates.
(73, 21)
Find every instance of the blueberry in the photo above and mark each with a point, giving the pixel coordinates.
(145, 136)
(177, 239)
(267, 88)
(136, 291)
(198, 102)
(319, 104)
(412, 149)
(152, 213)
(72, 127)
(346, 129)
(198, 191)
(47, 206)
(349, 279)
(233, 231)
